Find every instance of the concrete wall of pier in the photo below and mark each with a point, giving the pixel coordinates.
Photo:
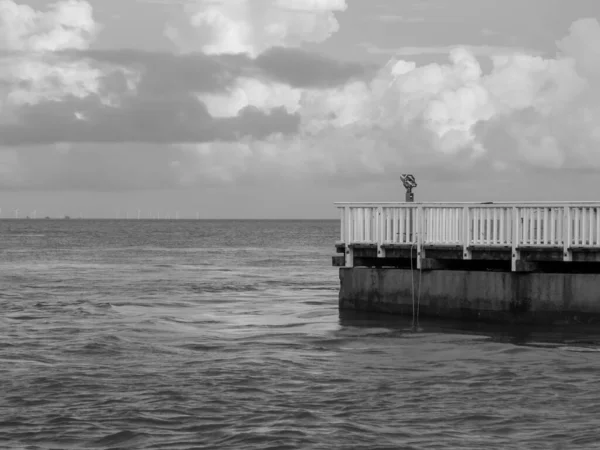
(490, 296)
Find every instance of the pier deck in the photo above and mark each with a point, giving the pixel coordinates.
(517, 237)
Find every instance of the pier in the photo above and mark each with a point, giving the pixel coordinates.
(500, 260)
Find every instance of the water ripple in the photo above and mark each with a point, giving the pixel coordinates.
(204, 335)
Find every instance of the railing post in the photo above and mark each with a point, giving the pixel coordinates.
(349, 238)
(342, 225)
(466, 233)
(567, 234)
(380, 232)
(515, 252)
(419, 233)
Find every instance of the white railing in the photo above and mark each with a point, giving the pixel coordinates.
(469, 225)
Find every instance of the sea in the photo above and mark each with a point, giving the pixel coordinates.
(226, 334)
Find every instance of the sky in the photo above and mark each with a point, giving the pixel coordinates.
(279, 108)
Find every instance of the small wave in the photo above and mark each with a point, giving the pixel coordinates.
(222, 288)
(118, 438)
(202, 347)
(580, 349)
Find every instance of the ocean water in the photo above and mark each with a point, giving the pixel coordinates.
(226, 335)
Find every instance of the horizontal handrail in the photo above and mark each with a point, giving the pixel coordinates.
(508, 224)
(483, 204)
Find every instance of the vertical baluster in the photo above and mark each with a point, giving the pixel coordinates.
(515, 233)
(577, 221)
(530, 236)
(495, 236)
(546, 227)
(458, 226)
(481, 219)
(524, 226)
(384, 226)
(428, 225)
(354, 224)
(402, 224)
(391, 224)
(526, 222)
(454, 225)
(342, 223)
(552, 226)
(366, 222)
(372, 216)
(407, 224)
(476, 226)
(438, 223)
(482, 213)
(449, 224)
(412, 218)
(348, 225)
(582, 221)
(365, 218)
(406, 227)
(501, 226)
(396, 226)
(598, 226)
(538, 227)
(363, 223)
(558, 233)
(435, 224)
(442, 230)
(488, 226)
(509, 225)
(374, 225)
(474, 229)
(358, 224)
(450, 233)
(590, 226)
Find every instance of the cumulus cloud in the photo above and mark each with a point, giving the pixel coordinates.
(242, 103)
(252, 26)
(27, 73)
(528, 111)
(67, 24)
(54, 88)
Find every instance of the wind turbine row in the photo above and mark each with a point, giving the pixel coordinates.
(151, 215)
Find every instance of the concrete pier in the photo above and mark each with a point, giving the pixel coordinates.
(541, 298)
(525, 263)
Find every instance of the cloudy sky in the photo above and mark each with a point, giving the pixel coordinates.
(278, 108)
